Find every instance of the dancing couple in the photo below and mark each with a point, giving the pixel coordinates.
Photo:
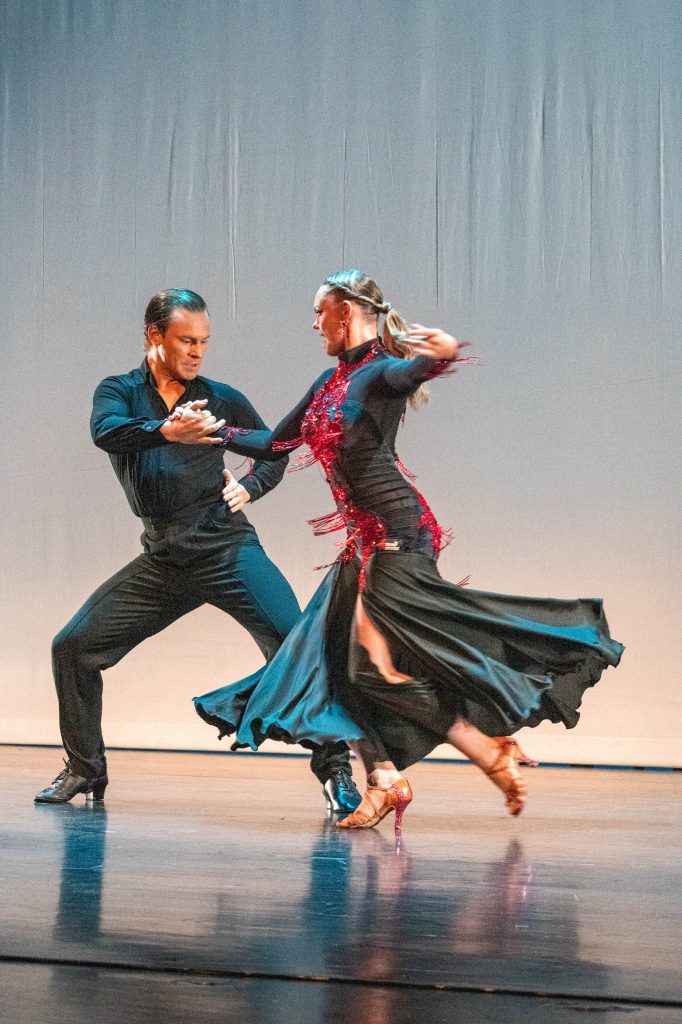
(387, 655)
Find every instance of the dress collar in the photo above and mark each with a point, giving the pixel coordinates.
(355, 355)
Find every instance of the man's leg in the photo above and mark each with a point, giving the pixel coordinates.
(137, 602)
(250, 588)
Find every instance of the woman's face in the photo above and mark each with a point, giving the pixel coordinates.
(330, 316)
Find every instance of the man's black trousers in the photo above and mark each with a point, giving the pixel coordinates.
(177, 573)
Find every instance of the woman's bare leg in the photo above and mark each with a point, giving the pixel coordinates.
(380, 774)
(386, 789)
(498, 761)
(376, 646)
(479, 748)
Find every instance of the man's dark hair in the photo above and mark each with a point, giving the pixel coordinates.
(161, 306)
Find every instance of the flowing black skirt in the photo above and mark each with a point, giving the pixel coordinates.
(500, 662)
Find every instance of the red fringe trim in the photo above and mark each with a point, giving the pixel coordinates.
(246, 461)
(444, 366)
(286, 446)
(231, 431)
(330, 523)
(302, 461)
(408, 474)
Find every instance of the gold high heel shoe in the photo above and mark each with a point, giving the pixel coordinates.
(377, 803)
(509, 744)
(507, 777)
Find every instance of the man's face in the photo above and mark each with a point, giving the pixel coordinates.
(180, 351)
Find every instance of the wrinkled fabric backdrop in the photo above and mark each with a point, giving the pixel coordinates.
(508, 169)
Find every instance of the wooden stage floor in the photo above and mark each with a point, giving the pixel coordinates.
(214, 888)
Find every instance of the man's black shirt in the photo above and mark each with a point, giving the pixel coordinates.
(165, 480)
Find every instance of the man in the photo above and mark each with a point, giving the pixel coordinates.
(198, 547)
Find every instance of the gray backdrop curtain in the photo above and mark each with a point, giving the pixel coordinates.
(509, 169)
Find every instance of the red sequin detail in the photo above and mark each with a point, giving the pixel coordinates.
(322, 427)
(322, 432)
(440, 538)
(364, 531)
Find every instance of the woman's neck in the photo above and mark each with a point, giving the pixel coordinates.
(360, 334)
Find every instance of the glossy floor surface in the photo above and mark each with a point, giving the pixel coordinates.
(214, 888)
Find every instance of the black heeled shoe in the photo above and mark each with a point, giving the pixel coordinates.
(340, 792)
(69, 784)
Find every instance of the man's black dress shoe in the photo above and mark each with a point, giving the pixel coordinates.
(68, 785)
(340, 791)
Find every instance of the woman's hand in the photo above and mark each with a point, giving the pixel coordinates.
(432, 342)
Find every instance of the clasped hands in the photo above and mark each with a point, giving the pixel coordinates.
(193, 423)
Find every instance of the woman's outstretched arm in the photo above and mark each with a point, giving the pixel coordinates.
(270, 445)
(435, 352)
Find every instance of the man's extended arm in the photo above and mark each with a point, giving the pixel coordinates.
(115, 431)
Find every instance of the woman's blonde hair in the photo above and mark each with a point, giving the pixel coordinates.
(358, 287)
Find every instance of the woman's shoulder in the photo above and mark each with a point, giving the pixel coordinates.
(322, 379)
(384, 359)
(384, 365)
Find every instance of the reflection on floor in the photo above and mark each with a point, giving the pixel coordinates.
(215, 888)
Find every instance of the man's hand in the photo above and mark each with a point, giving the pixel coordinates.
(234, 495)
(192, 424)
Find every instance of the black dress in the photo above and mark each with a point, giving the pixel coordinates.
(501, 662)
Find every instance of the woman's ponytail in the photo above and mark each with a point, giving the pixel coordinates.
(395, 343)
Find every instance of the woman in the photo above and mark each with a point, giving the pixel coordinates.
(388, 655)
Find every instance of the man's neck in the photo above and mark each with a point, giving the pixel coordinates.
(170, 388)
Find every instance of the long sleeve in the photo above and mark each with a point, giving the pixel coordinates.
(403, 376)
(113, 428)
(263, 475)
(269, 445)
